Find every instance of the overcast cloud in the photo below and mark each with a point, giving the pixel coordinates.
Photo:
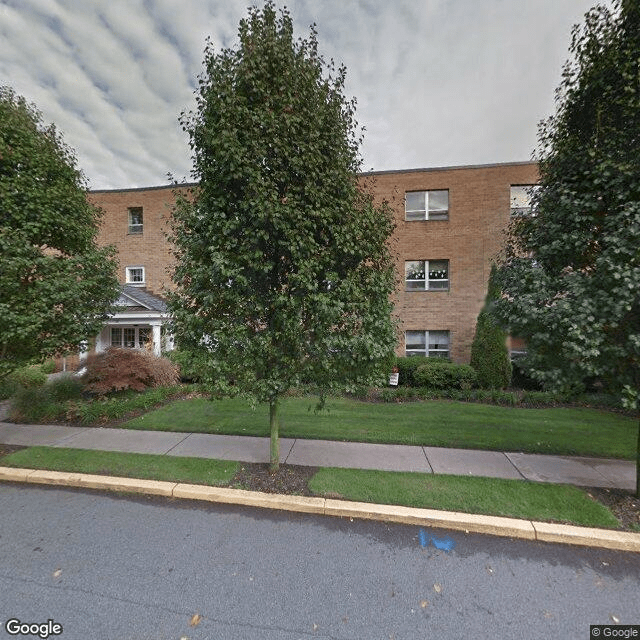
(438, 82)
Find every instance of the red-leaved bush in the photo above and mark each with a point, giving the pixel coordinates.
(119, 369)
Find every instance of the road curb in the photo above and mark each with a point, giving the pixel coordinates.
(469, 523)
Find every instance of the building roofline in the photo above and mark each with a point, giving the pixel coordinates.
(450, 168)
(187, 185)
(181, 185)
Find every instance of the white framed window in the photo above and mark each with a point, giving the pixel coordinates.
(520, 197)
(135, 275)
(426, 275)
(135, 220)
(130, 337)
(434, 344)
(426, 205)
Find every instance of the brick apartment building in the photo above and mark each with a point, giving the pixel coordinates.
(450, 224)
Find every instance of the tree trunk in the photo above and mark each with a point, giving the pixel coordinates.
(638, 459)
(274, 452)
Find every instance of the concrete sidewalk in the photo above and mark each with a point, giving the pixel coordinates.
(589, 472)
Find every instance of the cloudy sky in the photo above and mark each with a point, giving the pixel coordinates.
(438, 82)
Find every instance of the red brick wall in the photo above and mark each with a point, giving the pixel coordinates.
(479, 210)
(149, 249)
(470, 239)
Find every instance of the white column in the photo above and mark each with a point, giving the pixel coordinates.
(157, 346)
(104, 339)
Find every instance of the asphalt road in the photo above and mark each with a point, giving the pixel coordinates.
(117, 568)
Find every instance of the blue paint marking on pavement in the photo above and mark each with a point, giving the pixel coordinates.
(444, 544)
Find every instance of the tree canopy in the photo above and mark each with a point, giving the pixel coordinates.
(283, 268)
(571, 275)
(57, 285)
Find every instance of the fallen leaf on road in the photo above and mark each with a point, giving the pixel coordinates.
(614, 619)
(195, 620)
(56, 573)
(437, 587)
(315, 627)
(424, 603)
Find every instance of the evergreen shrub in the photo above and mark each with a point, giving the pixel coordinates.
(26, 378)
(406, 368)
(34, 404)
(441, 374)
(65, 388)
(48, 366)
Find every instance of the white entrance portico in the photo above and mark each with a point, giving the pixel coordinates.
(137, 324)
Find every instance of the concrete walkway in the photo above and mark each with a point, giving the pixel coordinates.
(589, 472)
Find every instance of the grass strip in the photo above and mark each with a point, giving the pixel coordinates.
(559, 431)
(130, 465)
(487, 496)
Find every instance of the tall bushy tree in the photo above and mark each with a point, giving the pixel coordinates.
(489, 353)
(571, 278)
(283, 269)
(56, 285)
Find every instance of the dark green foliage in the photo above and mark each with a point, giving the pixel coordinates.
(489, 353)
(65, 388)
(57, 285)
(27, 377)
(61, 401)
(44, 403)
(521, 379)
(189, 366)
(48, 367)
(282, 262)
(407, 366)
(440, 374)
(434, 373)
(576, 299)
(571, 274)
(529, 399)
(33, 404)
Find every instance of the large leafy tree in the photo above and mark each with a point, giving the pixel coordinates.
(283, 268)
(56, 285)
(571, 277)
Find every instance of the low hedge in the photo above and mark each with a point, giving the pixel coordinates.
(434, 373)
(406, 368)
(514, 398)
(441, 374)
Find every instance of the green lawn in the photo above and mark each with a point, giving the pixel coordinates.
(488, 496)
(129, 465)
(562, 431)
